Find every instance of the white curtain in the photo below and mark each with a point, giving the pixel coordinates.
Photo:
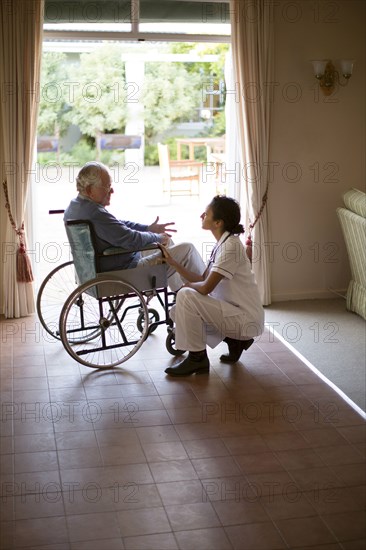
(21, 24)
(232, 152)
(252, 48)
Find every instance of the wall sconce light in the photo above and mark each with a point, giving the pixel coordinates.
(328, 77)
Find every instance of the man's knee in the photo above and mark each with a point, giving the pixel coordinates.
(181, 249)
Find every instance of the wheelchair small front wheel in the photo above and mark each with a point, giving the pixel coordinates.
(170, 344)
(154, 317)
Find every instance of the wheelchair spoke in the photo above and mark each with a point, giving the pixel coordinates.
(55, 288)
(107, 334)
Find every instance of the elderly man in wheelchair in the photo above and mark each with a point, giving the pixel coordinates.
(95, 189)
(117, 269)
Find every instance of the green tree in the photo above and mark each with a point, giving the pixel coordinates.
(53, 104)
(205, 68)
(99, 89)
(211, 75)
(170, 94)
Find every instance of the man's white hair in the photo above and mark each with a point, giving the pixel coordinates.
(90, 175)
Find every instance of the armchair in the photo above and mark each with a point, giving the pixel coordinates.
(352, 218)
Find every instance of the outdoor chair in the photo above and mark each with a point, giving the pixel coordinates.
(179, 177)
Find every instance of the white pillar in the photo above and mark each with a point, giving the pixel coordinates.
(135, 74)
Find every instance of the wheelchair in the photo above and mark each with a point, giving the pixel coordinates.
(103, 317)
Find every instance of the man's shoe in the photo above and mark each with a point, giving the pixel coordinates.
(190, 365)
(236, 348)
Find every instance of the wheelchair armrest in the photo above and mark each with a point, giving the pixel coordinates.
(112, 251)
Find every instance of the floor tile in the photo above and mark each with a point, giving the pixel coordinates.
(229, 488)
(91, 499)
(333, 500)
(172, 470)
(169, 450)
(132, 496)
(245, 445)
(35, 462)
(182, 492)
(205, 448)
(262, 454)
(143, 522)
(93, 526)
(304, 531)
(354, 544)
(161, 541)
(38, 505)
(157, 434)
(199, 515)
(285, 441)
(106, 544)
(79, 458)
(37, 532)
(339, 454)
(122, 454)
(257, 536)
(237, 512)
(299, 459)
(257, 463)
(203, 539)
(76, 440)
(351, 474)
(211, 467)
(34, 442)
(288, 505)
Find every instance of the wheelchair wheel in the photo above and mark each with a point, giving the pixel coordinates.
(154, 317)
(98, 322)
(170, 344)
(52, 295)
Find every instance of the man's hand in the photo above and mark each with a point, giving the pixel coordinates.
(156, 227)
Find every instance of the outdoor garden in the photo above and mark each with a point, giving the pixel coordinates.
(85, 95)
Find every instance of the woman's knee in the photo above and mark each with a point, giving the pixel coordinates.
(190, 299)
(185, 296)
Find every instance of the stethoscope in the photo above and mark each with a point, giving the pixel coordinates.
(215, 250)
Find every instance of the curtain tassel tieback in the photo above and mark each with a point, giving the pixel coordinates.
(249, 242)
(23, 264)
(249, 248)
(24, 267)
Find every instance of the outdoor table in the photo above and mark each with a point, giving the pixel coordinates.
(197, 142)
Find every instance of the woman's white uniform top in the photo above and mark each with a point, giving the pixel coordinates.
(238, 288)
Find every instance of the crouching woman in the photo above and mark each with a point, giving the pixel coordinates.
(221, 304)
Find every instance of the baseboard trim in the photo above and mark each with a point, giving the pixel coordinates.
(309, 295)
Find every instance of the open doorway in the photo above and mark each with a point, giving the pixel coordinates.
(115, 102)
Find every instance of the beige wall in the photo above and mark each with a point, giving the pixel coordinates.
(3, 215)
(318, 144)
(315, 140)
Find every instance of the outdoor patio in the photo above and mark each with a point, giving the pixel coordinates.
(138, 196)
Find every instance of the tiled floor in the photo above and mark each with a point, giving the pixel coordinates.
(259, 455)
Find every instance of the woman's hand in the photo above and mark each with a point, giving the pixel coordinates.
(185, 274)
(167, 257)
(208, 284)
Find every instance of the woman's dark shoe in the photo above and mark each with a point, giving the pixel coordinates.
(196, 363)
(236, 348)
